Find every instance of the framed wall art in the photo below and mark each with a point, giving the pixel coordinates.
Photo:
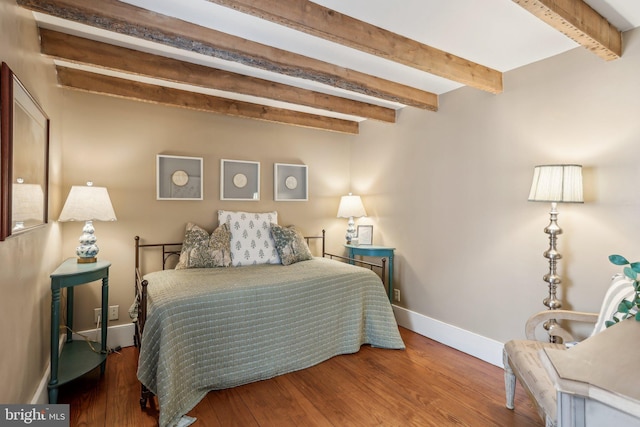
(24, 158)
(178, 177)
(239, 180)
(290, 182)
(365, 234)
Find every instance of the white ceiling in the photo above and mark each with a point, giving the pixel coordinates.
(499, 34)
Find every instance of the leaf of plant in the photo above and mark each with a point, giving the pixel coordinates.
(618, 260)
(609, 323)
(638, 316)
(635, 266)
(622, 307)
(630, 273)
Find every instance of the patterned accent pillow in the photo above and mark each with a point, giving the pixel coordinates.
(251, 240)
(290, 244)
(201, 250)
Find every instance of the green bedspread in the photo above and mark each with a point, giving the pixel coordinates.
(209, 329)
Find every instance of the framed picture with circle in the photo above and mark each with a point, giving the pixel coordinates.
(178, 177)
(290, 183)
(239, 180)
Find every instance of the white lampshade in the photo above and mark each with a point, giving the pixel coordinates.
(87, 203)
(557, 183)
(351, 206)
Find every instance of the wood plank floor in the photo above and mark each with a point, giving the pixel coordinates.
(428, 384)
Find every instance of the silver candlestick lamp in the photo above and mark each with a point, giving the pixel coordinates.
(555, 184)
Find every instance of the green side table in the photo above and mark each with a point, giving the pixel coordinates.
(77, 357)
(376, 251)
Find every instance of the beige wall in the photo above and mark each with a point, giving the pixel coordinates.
(114, 143)
(28, 259)
(449, 190)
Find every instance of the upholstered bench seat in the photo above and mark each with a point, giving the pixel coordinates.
(535, 377)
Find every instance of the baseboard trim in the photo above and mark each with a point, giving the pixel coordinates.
(117, 336)
(471, 343)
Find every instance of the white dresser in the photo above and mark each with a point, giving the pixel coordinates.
(598, 380)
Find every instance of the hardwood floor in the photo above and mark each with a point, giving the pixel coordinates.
(428, 384)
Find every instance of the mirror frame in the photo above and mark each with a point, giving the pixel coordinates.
(10, 143)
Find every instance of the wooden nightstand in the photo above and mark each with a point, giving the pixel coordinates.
(376, 251)
(77, 357)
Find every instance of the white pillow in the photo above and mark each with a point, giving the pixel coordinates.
(251, 240)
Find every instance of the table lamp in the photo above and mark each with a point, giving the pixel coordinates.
(351, 206)
(87, 203)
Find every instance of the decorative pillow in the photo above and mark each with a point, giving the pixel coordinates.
(290, 244)
(201, 250)
(251, 240)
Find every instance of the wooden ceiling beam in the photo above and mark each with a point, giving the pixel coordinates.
(89, 52)
(113, 86)
(113, 15)
(578, 21)
(319, 21)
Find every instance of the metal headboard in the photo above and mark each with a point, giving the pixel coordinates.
(168, 250)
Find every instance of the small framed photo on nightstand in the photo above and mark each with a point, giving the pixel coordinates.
(365, 235)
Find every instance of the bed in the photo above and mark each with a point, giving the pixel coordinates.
(203, 329)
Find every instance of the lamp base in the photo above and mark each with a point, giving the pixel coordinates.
(351, 230)
(88, 250)
(552, 278)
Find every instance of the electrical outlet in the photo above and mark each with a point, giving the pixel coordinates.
(396, 295)
(113, 312)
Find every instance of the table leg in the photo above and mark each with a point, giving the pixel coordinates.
(391, 278)
(105, 320)
(69, 314)
(55, 327)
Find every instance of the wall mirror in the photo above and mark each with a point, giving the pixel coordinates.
(24, 158)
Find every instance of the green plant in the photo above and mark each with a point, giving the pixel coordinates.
(627, 308)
